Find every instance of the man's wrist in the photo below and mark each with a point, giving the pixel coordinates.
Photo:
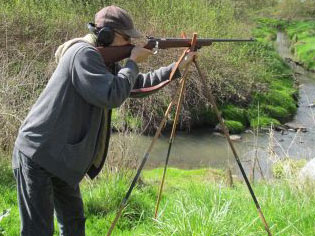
(131, 64)
(131, 59)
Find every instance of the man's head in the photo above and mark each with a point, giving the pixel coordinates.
(114, 26)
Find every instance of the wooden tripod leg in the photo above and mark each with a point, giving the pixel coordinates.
(226, 133)
(172, 137)
(192, 48)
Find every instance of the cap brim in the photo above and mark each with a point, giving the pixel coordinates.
(133, 33)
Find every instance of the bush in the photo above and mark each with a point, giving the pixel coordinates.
(263, 121)
(235, 127)
(277, 98)
(276, 112)
(281, 98)
(231, 112)
(204, 117)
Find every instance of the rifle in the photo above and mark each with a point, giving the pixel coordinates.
(113, 54)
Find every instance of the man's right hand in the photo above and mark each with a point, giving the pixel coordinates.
(140, 54)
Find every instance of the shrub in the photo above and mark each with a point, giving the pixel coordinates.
(231, 112)
(204, 116)
(263, 121)
(276, 112)
(235, 127)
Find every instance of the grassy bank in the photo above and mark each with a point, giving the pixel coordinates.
(195, 202)
(302, 35)
(277, 103)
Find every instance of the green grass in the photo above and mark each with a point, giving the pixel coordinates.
(194, 202)
(232, 112)
(302, 34)
(8, 200)
(234, 127)
(287, 168)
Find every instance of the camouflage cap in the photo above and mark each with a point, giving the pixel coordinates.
(118, 19)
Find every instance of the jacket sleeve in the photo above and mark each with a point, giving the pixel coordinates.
(155, 77)
(96, 84)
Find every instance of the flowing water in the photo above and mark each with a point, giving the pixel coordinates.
(203, 148)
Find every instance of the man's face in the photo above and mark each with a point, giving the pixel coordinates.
(120, 40)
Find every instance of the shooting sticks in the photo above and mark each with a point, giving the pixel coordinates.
(211, 99)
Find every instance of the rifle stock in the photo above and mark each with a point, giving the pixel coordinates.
(113, 54)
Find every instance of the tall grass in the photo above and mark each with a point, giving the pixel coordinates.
(195, 202)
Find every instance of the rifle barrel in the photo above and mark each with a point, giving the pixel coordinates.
(112, 54)
(164, 43)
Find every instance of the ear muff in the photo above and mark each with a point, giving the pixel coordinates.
(105, 35)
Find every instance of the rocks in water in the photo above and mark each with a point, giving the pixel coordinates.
(218, 134)
(308, 171)
(292, 127)
(218, 128)
(296, 127)
(248, 131)
(280, 128)
(235, 137)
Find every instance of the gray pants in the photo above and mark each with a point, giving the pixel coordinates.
(39, 194)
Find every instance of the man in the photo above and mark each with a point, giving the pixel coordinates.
(66, 133)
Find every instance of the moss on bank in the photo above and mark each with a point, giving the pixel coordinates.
(276, 103)
(234, 127)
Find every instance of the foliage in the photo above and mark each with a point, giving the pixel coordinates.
(266, 30)
(232, 112)
(263, 121)
(291, 9)
(277, 101)
(276, 112)
(235, 127)
(122, 120)
(203, 116)
(287, 168)
(302, 34)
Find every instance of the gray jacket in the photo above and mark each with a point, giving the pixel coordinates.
(62, 131)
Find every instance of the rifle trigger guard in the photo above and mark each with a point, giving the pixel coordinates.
(156, 48)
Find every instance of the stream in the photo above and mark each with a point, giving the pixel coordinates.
(203, 148)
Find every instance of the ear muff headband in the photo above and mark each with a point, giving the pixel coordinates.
(105, 35)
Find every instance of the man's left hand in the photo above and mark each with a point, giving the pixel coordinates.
(190, 56)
